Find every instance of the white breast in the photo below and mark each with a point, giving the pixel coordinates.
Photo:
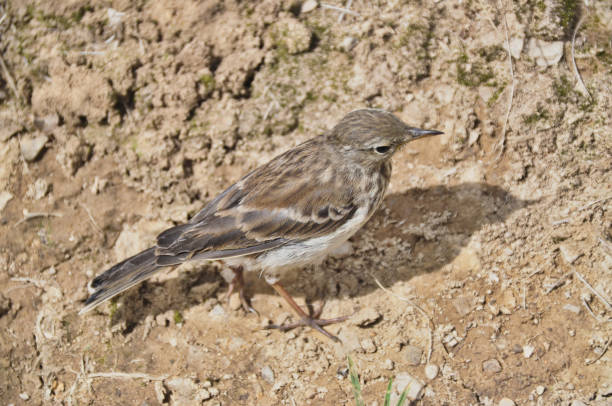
(309, 251)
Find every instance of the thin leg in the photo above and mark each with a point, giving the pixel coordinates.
(305, 319)
(238, 284)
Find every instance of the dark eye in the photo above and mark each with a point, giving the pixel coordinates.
(382, 149)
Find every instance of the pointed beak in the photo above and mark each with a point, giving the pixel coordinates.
(415, 133)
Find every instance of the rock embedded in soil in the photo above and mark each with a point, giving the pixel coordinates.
(431, 371)
(506, 402)
(368, 345)
(405, 381)
(366, 317)
(5, 197)
(309, 5)
(545, 53)
(267, 374)
(491, 366)
(413, 354)
(31, 147)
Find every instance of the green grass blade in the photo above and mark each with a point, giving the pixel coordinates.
(388, 394)
(402, 398)
(354, 377)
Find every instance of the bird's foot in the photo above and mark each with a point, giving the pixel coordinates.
(237, 284)
(313, 320)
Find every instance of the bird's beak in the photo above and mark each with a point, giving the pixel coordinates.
(414, 133)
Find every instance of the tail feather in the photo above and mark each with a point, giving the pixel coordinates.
(121, 277)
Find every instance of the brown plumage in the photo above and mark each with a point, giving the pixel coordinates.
(286, 213)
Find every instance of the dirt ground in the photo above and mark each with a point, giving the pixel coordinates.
(485, 278)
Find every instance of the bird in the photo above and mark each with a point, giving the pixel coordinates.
(284, 215)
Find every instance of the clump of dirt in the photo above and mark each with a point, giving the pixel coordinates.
(484, 279)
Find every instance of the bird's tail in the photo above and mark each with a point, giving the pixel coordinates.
(120, 277)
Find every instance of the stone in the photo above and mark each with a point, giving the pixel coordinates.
(31, 147)
(267, 374)
(404, 381)
(366, 317)
(572, 308)
(309, 5)
(528, 351)
(463, 305)
(491, 366)
(38, 189)
(348, 43)
(545, 53)
(47, 123)
(506, 402)
(431, 371)
(217, 311)
(516, 46)
(540, 390)
(577, 402)
(368, 345)
(412, 354)
(389, 364)
(5, 197)
(234, 302)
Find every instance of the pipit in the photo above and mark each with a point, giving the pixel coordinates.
(285, 214)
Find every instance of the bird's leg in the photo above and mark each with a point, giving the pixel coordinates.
(312, 321)
(237, 284)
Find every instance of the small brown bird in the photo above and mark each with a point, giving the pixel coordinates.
(283, 215)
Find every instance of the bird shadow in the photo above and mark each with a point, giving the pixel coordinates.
(423, 229)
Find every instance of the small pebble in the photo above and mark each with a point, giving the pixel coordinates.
(528, 351)
(31, 147)
(217, 311)
(431, 371)
(506, 402)
(412, 354)
(368, 345)
(389, 364)
(366, 317)
(572, 308)
(540, 389)
(491, 366)
(309, 5)
(267, 374)
(577, 402)
(24, 396)
(234, 302)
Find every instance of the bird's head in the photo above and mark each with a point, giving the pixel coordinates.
(373, 136)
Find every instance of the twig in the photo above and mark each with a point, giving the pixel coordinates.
(558, 283)
(584, 89)
(127, 375)
(36, 282)
(9, 79)
(586, 206)
(91, 218)
(589, 362)
(411, 303)
(336, 8)
(30, 216)
(502, 142)
(592, 289)
(348, 7)
(559, 222)
(586, 304)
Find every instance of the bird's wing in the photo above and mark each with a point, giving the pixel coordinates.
(294, 197)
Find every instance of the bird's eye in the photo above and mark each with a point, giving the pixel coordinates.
(382, 149)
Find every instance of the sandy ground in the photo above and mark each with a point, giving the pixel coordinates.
(493, 245)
